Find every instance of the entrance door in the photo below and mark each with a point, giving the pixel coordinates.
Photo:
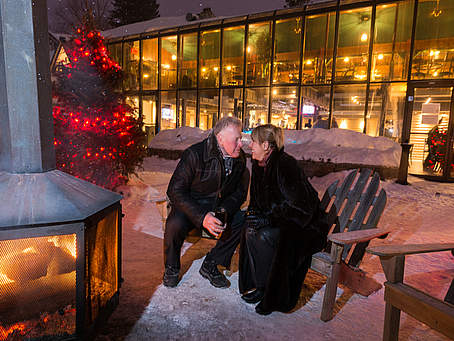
(431, 131)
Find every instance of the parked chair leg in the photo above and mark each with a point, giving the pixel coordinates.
(392, 321)
(331, 284)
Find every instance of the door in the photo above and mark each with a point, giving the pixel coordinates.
(431, 131)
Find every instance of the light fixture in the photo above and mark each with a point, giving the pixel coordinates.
(216, 69)
(380, 56)
(146, 75)
(228, 67)
(174, 57)
(436, 53)
(431, 53)
(274, 92)
(249, 49)
(346, 59)
(309, 62)
(364, 37)
(362, 76)
(204, 69)
(435, 73)
(437, 11)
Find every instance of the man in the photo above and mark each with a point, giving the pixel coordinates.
(211, 174)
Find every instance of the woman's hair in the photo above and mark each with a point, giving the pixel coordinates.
(269, 133)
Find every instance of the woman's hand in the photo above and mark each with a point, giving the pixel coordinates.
(256, 221)
(213, 224)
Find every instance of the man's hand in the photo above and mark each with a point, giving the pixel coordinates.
(213, 224)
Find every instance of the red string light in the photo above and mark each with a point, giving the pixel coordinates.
(87, 130)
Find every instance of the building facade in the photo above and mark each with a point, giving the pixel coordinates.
(383, 68)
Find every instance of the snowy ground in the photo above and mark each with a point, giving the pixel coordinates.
(195, 310)
(329, 145)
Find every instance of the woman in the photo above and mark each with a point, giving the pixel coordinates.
(284, 226)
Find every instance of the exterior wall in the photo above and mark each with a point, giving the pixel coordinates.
(346, 64)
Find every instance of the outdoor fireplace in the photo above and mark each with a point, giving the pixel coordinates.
(59, 276)
(60, 236)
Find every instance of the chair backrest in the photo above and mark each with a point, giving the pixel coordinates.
(352, 203)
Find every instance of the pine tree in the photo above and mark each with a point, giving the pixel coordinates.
(97, 136)
(130, 11)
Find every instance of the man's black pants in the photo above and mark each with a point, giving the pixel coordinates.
(178, 227)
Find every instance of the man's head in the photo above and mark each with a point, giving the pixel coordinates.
(228, 134)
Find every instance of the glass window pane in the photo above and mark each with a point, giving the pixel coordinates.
(348, 107)
(314, 107)
(208, 108)
(115, 52)
(209, 58)
(318, 48)
(233, 56)
(258, 54)
(353, 45)
(188, 61)
(256, 107)
(131, 57)
(150, 64)
(430, 121)
(392, 38)
(133, 101)
(188, 108)
(284, 106)
(168, 110)
(287, 39)
(232, 102)
(433, 56)
(168, 62)
(385, 111)
(149, 116)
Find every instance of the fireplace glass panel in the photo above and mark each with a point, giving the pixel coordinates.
(102, 265)
(37, 287)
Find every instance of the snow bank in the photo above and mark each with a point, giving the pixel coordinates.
(178, 139)
(321, 145)
(342, 146)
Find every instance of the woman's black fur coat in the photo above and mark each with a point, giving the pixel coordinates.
(282, 192)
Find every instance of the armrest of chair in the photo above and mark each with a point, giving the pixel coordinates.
(408, 249)
(352, 237)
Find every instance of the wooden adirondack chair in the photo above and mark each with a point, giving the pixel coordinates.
(435, 313)
(350, 235)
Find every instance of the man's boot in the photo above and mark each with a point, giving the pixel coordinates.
(210, 271)
(170, 278)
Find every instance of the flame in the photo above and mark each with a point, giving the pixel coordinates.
(67, 243)
(4, 280)
(29, 250)
(4, 333)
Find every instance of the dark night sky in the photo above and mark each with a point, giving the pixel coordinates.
(181, 7)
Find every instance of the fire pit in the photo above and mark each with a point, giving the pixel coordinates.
(60, 237)
(59, 275)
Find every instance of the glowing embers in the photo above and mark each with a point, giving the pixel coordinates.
(37, 287)
(61, 322)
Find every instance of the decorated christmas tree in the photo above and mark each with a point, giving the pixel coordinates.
(98, 138)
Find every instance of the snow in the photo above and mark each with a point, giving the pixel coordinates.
(194, 310)
(329, 145)
(152, 25)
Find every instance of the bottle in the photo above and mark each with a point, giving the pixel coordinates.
(221, 214)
